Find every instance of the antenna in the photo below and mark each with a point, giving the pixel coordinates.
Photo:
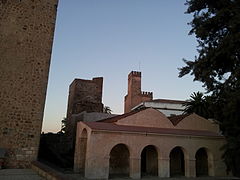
(139, 65)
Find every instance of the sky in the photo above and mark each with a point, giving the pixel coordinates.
(111, 38)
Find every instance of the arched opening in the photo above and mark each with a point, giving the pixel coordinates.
(177, 164)
(119, 161)
(83, 150)
(201, 162)
(149, 161)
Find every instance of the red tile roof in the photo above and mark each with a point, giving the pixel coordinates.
(124, 128)
(168, 101)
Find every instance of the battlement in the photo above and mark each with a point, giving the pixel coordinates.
(135, 96)
(147, 94)
(135, 74)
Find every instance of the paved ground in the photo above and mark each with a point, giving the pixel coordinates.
(80, 177)
(181, 178)
(19, 174)
(29, 174)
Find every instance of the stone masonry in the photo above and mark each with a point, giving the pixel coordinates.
(84, 95)
(135, 96)
(26, 38)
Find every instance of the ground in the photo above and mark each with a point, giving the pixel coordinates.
(28, 174)
(19, 174)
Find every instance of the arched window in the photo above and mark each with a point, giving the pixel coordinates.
(149, 161)
(119, 161)
(201, 162)
(177, 162)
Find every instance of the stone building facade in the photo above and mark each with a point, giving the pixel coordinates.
(84, 96)
(146, 142)
(135, 95)
(26, 38)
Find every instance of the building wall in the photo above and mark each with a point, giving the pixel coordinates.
(169, 109)
(169, 106)
(170, 113)
(91, 117)
(97, 162)
(26, 37)
(135, 96)
(153, 118)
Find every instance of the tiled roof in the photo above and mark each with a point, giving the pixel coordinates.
(167, 101)
(116, 118)
(176, 119)
(114, 127)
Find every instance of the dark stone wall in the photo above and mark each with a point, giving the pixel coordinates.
(26, 37)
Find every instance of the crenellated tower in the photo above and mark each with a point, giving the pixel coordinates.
(135, 96)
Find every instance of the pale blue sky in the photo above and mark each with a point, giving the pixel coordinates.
(110, 38)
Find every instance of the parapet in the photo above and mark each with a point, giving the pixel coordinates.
(147, 94)
(135, 74)
(94, 80)
(97, 79)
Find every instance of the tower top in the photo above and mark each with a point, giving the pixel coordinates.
(135, 96)
(134, 73)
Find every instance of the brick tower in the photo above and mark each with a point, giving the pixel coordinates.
(135, 96)
(26, 37)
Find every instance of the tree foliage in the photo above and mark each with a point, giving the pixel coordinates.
(107, 109)
(63, 125)
(199, 104)
(216, 25)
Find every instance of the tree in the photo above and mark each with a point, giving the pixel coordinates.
(63, 125)
(199, 104)
(107, 109)
(216, 25)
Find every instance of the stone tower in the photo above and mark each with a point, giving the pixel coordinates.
(84, 95)
(26, 38)
(135, 96)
